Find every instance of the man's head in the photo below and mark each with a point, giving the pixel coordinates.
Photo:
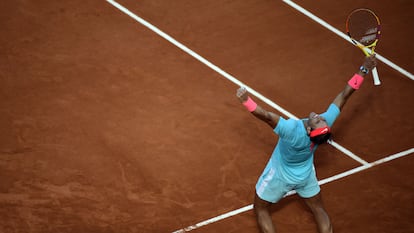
(318, 129)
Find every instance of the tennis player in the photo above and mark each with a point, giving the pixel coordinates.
(291, 165)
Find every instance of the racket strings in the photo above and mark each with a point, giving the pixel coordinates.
(364, 27)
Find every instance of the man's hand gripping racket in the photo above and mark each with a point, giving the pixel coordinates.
(363, 28)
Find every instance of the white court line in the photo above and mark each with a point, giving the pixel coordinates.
(345, 37)
(365, 165)
(321, 182)
(223, 73)
(347, 152)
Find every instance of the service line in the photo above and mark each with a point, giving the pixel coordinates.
(365, 165)
(321, 182)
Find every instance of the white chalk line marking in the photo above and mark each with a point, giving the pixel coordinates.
(345, 37)
(347, 152)
(224, 74)
(365, 165)
(321, 182)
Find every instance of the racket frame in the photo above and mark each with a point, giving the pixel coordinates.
(367, 49)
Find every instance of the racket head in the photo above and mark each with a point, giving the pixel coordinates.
(363, 27)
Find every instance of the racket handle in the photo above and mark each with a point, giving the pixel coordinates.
(375, 76)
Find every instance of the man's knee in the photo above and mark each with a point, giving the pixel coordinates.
(260, 205)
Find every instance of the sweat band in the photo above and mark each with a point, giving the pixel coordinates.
(356, 81)
(250, 104)
(319, 131)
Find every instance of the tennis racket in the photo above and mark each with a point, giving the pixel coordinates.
(364, 29)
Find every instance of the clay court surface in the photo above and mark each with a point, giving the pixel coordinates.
(107, 127)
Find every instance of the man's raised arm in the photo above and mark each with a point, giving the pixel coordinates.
(355, 82)
(269, 117)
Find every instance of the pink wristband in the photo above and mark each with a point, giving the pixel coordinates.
(356, 81)
(250, 104)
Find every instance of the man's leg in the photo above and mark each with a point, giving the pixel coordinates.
(262, 211)
(321, 217)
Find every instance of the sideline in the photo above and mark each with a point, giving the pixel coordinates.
(365, 165)
(223, 73)
(345, 37)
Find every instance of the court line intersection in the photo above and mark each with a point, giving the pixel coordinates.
(365, 165)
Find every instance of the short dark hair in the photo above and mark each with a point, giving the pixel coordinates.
(320, 139)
